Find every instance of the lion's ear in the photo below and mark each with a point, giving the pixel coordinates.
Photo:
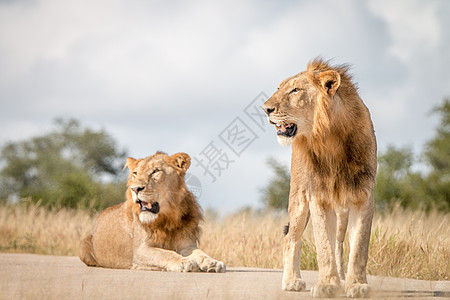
(330, 81)
(181, 161)
(131, 163)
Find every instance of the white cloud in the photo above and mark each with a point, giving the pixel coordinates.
(412, 24)
(415, 29)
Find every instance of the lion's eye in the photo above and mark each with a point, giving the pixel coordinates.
(294, 91)
(134, 173)
(154, 172)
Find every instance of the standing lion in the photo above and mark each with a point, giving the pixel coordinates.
(157, 227)
(333, 169)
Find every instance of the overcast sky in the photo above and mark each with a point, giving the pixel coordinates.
(187, 75)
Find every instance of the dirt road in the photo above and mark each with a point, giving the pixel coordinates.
(29, 276)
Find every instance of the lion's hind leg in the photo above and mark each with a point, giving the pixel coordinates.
(360, 223)
(342, 223)
(86, 249)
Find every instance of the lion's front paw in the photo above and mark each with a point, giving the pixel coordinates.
(357, 290)
(212, 266)
(325, 291)
(185, 265)
(296, 285)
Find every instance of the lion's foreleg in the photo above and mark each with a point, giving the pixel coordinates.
(324, 226)
(151, 258)
(204, 261)
(298, 219)
(360, 224)
(342, 222)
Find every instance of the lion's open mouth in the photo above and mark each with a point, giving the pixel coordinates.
(154, 207)
(285, 129)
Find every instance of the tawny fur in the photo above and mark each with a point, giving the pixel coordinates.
(169, 241)
(333, 171)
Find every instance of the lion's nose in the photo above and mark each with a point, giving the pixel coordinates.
(137, 189)
(268, 110)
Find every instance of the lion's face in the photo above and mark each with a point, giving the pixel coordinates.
(292, 108)
(155, 183)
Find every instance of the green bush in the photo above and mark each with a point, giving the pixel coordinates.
(70, 166)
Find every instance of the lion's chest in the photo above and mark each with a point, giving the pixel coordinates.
(335, 180)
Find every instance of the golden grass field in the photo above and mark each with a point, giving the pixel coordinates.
(403, 244)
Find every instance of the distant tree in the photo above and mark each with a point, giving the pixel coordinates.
(70, 166)
(276, 194)
(395, 178)
(437, 155)
(397, 183)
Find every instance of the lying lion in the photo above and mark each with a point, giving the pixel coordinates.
(156, 228)
(333, 170)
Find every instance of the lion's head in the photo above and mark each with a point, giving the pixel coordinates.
(301, 105)
(156, 186)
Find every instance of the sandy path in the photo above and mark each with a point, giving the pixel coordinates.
(29, 276)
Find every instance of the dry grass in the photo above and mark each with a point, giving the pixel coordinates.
(253, 240)
(403, 244)
(411, 244)
(34, 229)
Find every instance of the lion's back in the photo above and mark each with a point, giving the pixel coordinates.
(112, 238)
